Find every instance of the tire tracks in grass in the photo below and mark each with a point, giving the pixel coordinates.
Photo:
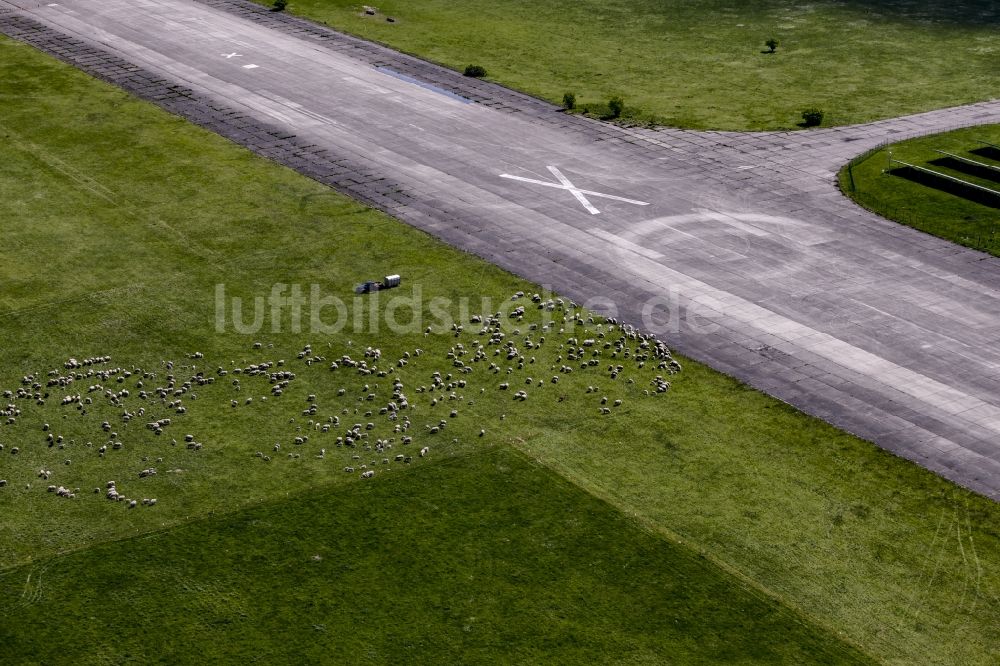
(94, 187)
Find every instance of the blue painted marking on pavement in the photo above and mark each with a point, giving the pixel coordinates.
(424, 84)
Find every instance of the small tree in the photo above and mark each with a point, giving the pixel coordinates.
(569, 100)
(812, 117)
(279, 5)
(616, 105)
(475, 71)
(772, 45)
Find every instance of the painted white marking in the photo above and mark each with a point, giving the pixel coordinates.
(227, 56)
(250, 66)
(580, 195)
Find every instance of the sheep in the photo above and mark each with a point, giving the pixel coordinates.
(424, 451)
(368, 474)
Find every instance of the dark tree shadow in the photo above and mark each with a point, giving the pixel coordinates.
(968, 13)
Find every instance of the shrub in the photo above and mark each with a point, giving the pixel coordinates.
(279, 5)
(475, 71)
(812, 117)
(569, 100)
(616, 105)
(772, 45)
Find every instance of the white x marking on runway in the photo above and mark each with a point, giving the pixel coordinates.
(227, 56)
(565, 184)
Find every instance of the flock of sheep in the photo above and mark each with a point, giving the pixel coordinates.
(526, 351)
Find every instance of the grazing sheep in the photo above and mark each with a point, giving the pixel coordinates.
(424, 451)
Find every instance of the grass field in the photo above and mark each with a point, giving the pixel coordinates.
(119, 221)
(484, 558)
(932, 208)
(700, 64)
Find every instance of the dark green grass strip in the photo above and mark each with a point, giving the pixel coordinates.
(478, 559)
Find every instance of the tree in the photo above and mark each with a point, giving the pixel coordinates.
(616, 105)
(279, 5)
(569, 100)
(772, 45)
(812, 117)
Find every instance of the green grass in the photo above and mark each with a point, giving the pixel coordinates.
(701, 64)
(484, 558)
(119, 221)
(972, 223)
